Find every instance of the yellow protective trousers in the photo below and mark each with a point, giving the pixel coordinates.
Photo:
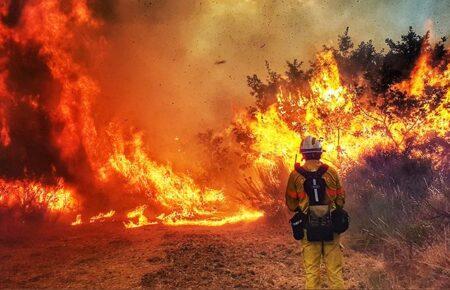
(331, 253)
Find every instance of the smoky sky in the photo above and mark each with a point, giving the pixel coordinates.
(179, 67)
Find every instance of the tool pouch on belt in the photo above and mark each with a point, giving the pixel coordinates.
(298, 223)
(340, 220)
(319, 226)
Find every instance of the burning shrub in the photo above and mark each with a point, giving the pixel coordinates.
(355, 99)
(27, 202)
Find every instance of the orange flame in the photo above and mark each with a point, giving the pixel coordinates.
(332, 112)
(422, 76)
(138, 214)
(242, 215)
(75, 131)
(77, 221)
(57, 198)
(178, 193)
(327, 87)
(101, 217)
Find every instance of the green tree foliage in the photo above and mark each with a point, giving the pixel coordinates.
(400, 59)
(265, 94)
(345, 42)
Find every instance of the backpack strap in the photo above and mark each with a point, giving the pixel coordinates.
(311, 174)
(302, 171)
(322, 169)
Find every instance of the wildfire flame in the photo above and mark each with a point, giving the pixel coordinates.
(188, 203)
(326, 86)
(77, 221)
(349, 129)
(139, 216)
(422, 77)
(28, 193)
(101, 217)
(88, 159)
(74, 130)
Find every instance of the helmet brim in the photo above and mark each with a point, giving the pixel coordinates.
(315, 150)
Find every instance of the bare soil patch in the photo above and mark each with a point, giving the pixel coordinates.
(109, 256)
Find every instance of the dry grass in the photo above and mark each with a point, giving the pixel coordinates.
(22, 211)
(265, 190)
(399, 211)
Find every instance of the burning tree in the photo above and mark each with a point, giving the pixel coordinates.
(355, 99)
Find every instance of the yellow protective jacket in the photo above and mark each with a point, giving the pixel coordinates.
(296, 196)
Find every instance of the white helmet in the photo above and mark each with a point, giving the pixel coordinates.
(311, 145)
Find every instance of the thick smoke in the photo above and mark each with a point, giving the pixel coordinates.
(178, 67)
(33, 91)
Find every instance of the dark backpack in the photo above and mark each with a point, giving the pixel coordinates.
(318, 225)
(314, 184)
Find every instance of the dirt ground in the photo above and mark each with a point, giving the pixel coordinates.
(109, 256)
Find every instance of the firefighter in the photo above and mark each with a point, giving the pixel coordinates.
(314, 190)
